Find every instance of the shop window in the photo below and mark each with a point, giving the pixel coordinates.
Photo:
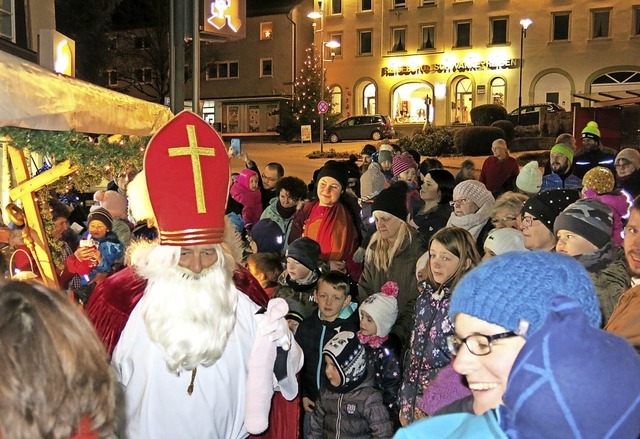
(369, 99)
(336, 51)
(399, 4)
(266, 67)
(142, 42)
(428, 37)
(143, 76)
(399, 39)
(463, 101)
(365, 5)
(266, 31)
(463, 33)
(7, 25)
(499, 30)
(561, 26)
(636, 20)
(336, 100)
(413, 103)
(222, 70)
(364, 39)
(600, 24)
(498, 91)
(112, 78)
(336, 7)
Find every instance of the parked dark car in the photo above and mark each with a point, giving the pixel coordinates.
(530, 114)
(373, 126)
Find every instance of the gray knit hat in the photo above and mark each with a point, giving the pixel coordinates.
(520, 285)
(473, 190)
(590, 218)
(101, 214)
(372, 181)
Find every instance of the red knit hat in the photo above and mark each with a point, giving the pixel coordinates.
(187, 172)
(403, 162)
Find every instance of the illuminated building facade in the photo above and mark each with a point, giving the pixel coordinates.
(437, 59)
(20, 22)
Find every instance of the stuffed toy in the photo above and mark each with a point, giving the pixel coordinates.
(260, 380)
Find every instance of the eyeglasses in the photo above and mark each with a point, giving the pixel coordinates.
(528, 220)
(459, 202)
(622, 164)
(271, 179)
(478, 344)
(503, 219)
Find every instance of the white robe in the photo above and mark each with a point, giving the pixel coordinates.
(157, 403)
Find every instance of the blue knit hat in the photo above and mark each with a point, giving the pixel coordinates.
(573, 380)
(268, 236)
(519, 286)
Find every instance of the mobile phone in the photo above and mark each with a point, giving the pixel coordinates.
(236, 146)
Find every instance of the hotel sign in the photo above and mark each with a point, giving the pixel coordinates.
(226, 18)
(449, 68)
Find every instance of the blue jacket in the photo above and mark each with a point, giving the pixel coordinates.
(455, 426)
(111, 249)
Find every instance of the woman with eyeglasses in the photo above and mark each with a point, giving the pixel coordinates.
(506, 210)
(627, 167)
(432, 211)
(452, 253)
(472, 204)
(497, 307)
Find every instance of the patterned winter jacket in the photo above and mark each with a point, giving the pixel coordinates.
(358, 414)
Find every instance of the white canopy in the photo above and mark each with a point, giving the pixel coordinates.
(36, 98)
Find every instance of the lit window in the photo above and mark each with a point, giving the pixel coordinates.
(498, 31)
(498, 91)
(399, 40)
(336, 100)
(428, 38)
(600, 21)
(266, 67)
(561, 26)
(463, 34)
(336, 51)
(364, 38)
(266, 31)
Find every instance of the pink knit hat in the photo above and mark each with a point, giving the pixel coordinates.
(403, 162)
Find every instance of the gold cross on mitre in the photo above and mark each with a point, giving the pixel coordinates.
(195, 152)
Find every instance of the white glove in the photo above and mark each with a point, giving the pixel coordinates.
(278, 332)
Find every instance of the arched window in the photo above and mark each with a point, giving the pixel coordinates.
(369, 99)
(498, 91)
(463, 100)
(412, 103)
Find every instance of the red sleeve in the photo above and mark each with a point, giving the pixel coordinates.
(76, 266)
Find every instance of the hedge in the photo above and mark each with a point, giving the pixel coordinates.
(485, 115)
(476, 141)
(434, 141)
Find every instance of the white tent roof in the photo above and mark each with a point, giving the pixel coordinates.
(36, 98)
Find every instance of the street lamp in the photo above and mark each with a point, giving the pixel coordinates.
(315, 15)
(525, 23)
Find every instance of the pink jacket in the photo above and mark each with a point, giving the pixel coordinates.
(251, 200)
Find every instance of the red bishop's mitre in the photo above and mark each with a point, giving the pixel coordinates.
(187, 173)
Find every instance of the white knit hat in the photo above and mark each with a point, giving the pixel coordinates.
(383, 308)
(473, 190)
(505, 240)
(529, 179)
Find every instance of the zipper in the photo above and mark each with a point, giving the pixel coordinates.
(339, 416)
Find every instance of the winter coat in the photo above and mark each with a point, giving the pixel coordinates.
(250, 200)
(610, 282)
(630, 183)
(385, 365)
(271, 212)
(555, 181)
(312, 335)
(585, 160)
(428, 352)
(428, 223)
(625, 320)
(111, 250)
(402, 271)
(299, 296)
(358, 414)
(122, 229)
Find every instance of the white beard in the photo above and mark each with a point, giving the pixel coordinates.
(189, 315)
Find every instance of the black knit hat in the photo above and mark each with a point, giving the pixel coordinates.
(268, 236)
(548, 205)
(393, 200)
(306, 251)
(101, 214)
(337, 170)
(368, 149)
